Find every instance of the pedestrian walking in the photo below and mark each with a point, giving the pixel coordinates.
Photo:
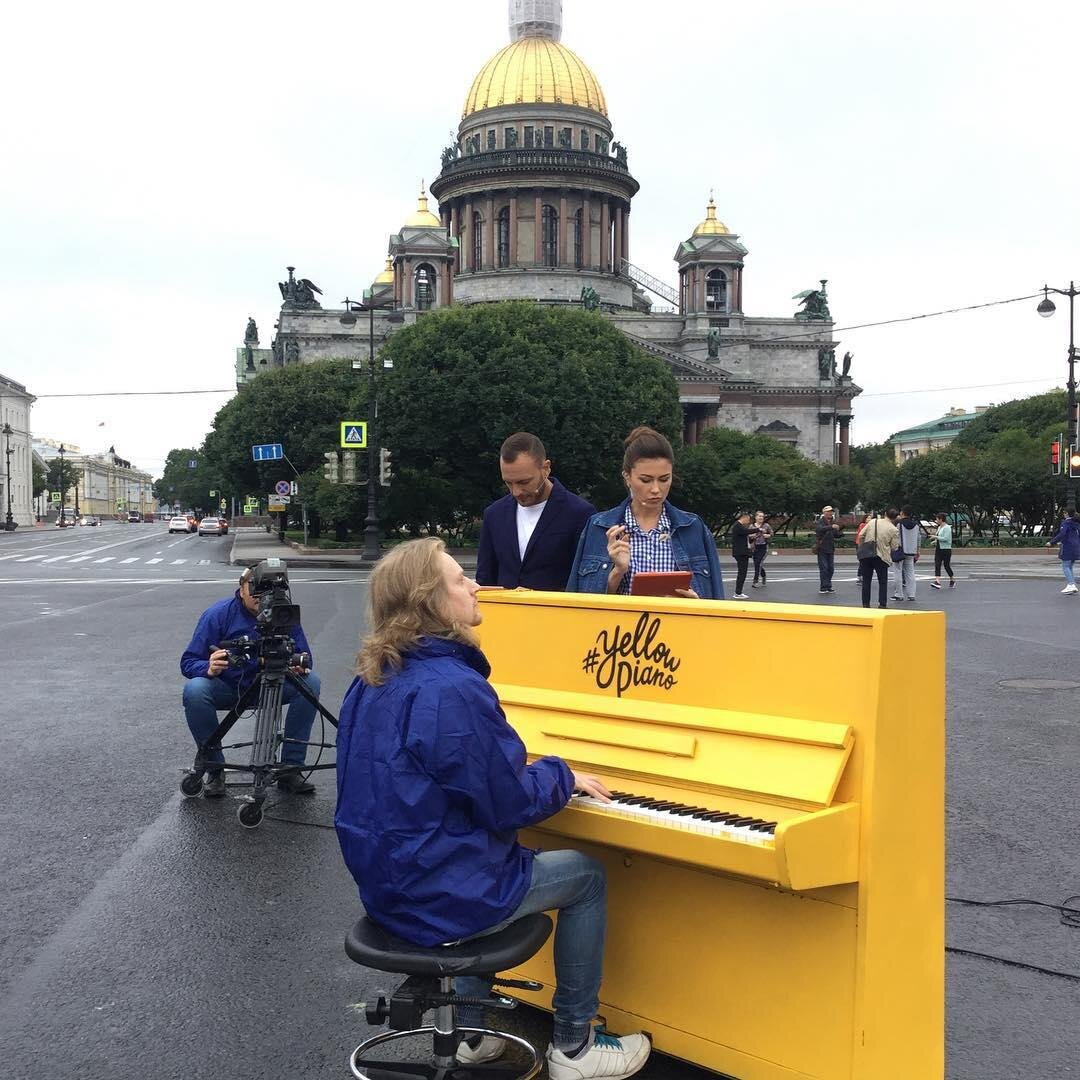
(867, 518)
(740, 550)
(1068, 536)
(943, 552)
(879, 538)
(759, 538)
(903, 568)
(825, 533)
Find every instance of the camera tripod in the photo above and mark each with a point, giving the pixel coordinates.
(264, 766)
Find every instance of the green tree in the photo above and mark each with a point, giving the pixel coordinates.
(188, 487)
(40, 478)
(465, 377)
(300, 406)
(870, 456)
(1041, 415)
(64, 480)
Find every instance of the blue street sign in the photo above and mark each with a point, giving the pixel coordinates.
(192, 463)
(267, 452)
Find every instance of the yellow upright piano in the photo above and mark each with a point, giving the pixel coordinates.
(776, 860)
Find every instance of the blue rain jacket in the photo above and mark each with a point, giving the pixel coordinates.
(432, 788)
(1068, 536)
(220, 622)
(691, 544)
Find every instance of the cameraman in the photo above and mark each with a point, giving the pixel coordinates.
(213, 685)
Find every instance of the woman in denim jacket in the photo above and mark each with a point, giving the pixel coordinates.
(645, 532)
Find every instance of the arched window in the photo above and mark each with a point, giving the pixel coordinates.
(424, 287)
(578, 237)
(477, 242)
(502, 235)
(716, 291)
(549, 236)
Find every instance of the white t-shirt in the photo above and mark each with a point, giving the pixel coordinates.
(527, 517)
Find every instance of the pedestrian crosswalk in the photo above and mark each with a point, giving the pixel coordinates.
(74, 559)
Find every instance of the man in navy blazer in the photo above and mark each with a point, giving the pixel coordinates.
(528, 538)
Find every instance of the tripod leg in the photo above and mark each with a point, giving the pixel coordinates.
(226, 725)
(267, 735)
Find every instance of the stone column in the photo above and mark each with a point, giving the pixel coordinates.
(701, 288)
(455, 230)
(398, 284)
(699, 424)
(562, 259)
(605, 236)
(513, 227)
(626, 234)
(408, 282)
(845, 449)
(689, 428)
(586, 225)
(618, 238)
(489, 239)
(737, 300)
(467, 255)
(538, 217)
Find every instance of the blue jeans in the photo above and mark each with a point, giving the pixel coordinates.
(204, 697)
(825, 568)
(576, 885)
(1067, 570)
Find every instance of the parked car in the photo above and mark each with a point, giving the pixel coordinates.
(179, 524)
(88, 519)
(212, 526)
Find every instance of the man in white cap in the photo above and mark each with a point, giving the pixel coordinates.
(825, 533)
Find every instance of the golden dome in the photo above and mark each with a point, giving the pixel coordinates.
(535, 70)
(712, 225)
(422, 217)
(386, 276)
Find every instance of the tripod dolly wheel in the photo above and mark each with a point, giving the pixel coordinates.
(191, 785)
(249, 815)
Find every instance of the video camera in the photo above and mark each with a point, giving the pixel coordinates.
(269, 584)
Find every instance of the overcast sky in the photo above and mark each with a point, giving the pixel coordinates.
(163, 164)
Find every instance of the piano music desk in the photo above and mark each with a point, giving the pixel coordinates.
(794, 927)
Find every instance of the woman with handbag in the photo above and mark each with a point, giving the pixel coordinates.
(880, 538)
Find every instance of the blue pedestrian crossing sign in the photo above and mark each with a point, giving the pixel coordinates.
(267, 452)
(354, 434)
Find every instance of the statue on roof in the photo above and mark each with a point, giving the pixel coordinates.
(299, 294)
(590, 300)
(712, 339)
(826, 359)
(815, 303)
(620, 152)
(251, 334)
(847, 365)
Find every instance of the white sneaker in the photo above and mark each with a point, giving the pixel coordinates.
(609, 1058)
(489, 1049)
(740, 596)
(1069, 589)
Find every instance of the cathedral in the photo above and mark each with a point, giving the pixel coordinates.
(534, 198)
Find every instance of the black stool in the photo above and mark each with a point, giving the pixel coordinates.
(430, 985)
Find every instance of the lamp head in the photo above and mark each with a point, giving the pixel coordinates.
(1046, 306)
(348, 316)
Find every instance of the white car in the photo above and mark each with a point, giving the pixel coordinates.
(179, 524)
(212, 526)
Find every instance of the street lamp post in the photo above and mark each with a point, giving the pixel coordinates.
(60, 485)
(372, 532)
(9, 521)
(1047, 308)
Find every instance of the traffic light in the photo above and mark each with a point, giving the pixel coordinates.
(385, 467)
(1074, 462)
(1055, 455)
(330, 469)
(348, 466)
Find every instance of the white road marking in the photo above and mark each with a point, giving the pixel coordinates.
(81, 558)
(150, 562)
(177, 562)
(31, 558)
(108, 558)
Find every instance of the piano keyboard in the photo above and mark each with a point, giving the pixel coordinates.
(676, 815)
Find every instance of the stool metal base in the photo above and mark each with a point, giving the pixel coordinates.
(431, 1069)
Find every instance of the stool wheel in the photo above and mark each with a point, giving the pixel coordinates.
(431, 1070)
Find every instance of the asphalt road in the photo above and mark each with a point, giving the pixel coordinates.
(150, 936)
